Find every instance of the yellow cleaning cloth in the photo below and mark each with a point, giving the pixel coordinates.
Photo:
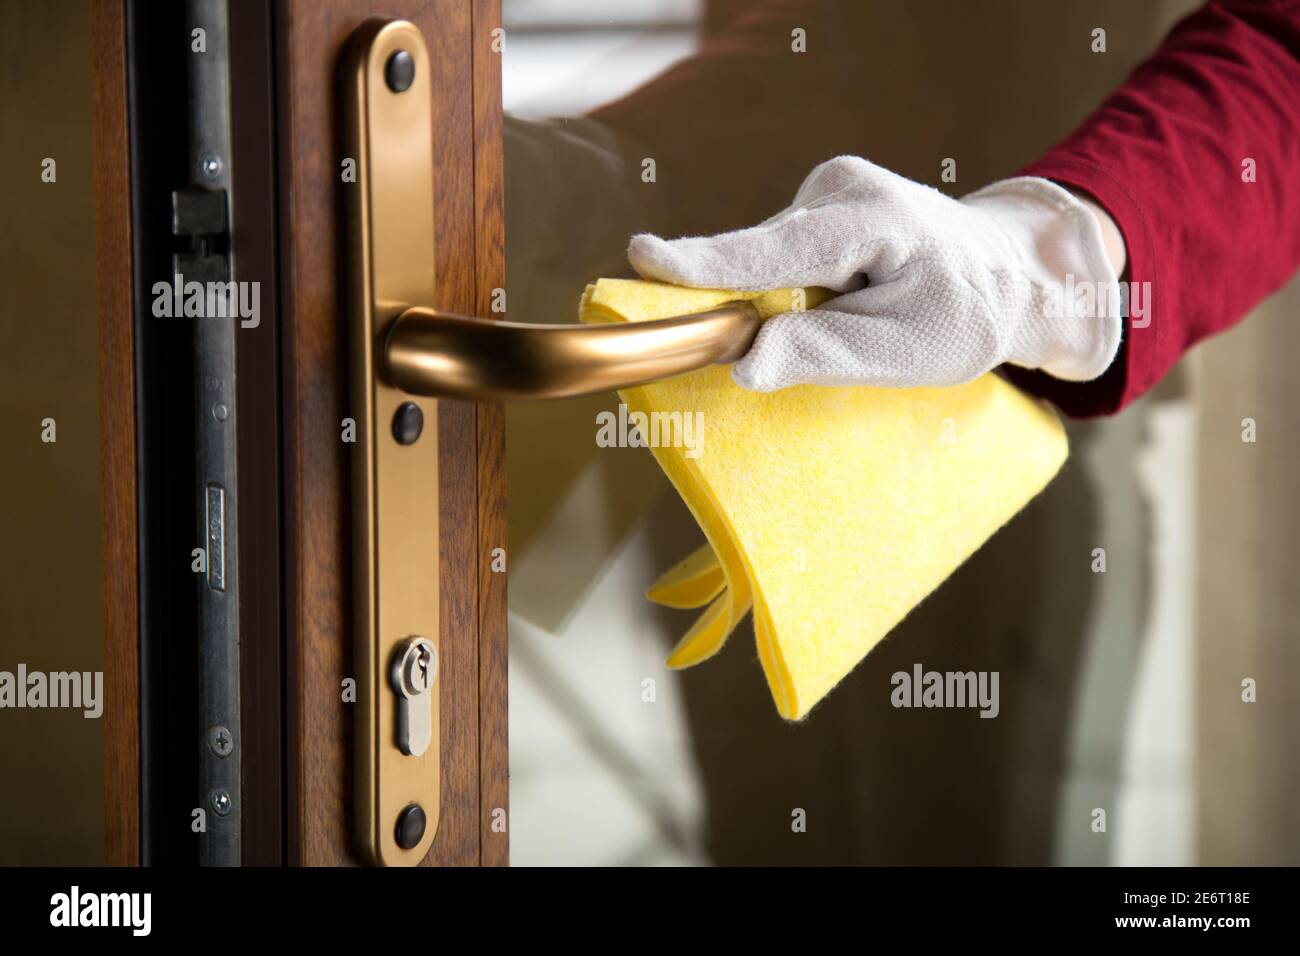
(831, 511)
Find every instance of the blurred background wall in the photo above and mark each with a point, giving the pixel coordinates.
(51, 761)
(1248, 605)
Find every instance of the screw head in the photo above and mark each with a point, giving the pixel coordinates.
(220, 411)
(210, 165)
(221, 741)
(410, 827)
(399, 71)
(221, 802)
(408, 422)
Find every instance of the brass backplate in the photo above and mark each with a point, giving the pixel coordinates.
(394, 486)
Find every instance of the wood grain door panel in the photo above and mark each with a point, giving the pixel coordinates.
(468, 215)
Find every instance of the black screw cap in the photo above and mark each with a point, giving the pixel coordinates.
(408, 422)
(399, 71)
(410, 827)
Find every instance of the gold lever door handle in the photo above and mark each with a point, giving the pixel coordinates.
(435, 353)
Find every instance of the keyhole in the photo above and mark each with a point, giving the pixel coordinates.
(414, 669)
(421, 677)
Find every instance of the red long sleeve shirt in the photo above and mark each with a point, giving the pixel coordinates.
(1197, 159)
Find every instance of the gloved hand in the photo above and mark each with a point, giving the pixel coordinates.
(936, 291)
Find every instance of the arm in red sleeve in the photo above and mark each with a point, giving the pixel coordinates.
(1197, 159)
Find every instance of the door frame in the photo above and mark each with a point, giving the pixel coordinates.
(115, 306)
(304, 483)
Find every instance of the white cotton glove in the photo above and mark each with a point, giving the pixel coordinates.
(935, 291)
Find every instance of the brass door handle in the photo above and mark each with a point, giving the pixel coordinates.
(427, 352)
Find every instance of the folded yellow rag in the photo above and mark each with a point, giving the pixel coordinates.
(831, 511)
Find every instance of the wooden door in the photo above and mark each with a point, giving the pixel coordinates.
(468, 198)
(294, 548)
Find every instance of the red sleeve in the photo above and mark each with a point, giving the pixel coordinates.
(1164, 155)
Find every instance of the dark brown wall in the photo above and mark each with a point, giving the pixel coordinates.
(51, 761)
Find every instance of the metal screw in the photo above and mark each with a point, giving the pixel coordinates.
(221, 741)
(410, 827)
(210, 165)
(408, 422)
(221, 802)
(399, 71)
(220, 412)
